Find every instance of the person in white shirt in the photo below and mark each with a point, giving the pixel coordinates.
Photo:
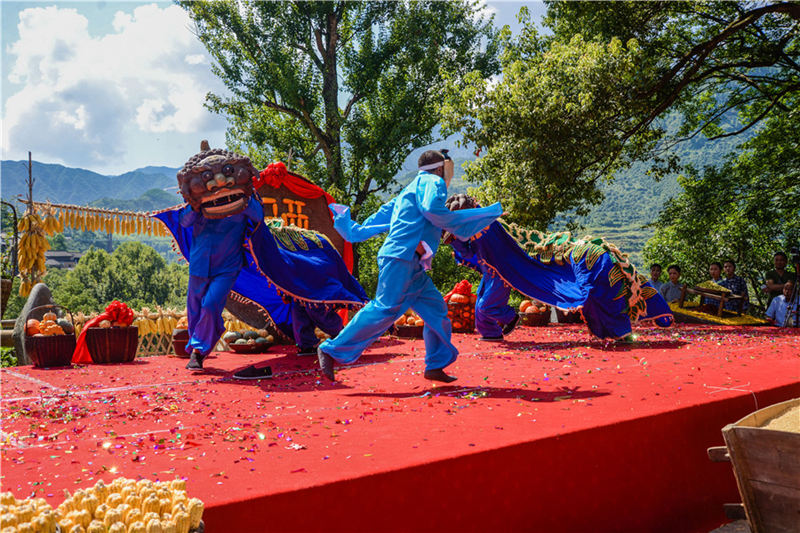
(781, 306)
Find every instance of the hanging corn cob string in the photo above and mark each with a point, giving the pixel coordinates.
(55, 217)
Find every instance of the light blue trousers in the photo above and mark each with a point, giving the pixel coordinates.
(205, 301)
(401, 284)
(492, 311)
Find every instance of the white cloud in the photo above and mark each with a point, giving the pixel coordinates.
(82, 95)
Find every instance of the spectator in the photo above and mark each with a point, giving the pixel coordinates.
(671, 290)
(655, 276)
(715, 271)
(781, 306)
(735, 283)
(775, 279)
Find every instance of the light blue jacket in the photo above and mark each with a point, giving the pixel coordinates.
(417, 214)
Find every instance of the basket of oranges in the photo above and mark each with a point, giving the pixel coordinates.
(410, 325)
(49, 336)
(534, 313)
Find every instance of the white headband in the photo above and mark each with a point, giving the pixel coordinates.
(432, 166)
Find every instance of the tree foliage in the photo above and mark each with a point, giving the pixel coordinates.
(578, 105)
(746, 209)
(346, 89)
(133, 273)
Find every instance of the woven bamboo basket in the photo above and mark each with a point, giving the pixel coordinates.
(50, 350)
(112, 345)
(535, 319)
(180, 338)
(569, 317)
(462, 316)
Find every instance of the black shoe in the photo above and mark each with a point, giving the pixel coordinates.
(195, 361)
(508, 328)
(304, 351)
(492, 339)
(439, 375)
(325, 364)
(252, 372)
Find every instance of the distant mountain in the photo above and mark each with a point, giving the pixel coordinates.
(152, 200)
(60, 184)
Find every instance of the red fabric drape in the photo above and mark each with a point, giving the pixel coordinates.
(276, 175)
(115, 312)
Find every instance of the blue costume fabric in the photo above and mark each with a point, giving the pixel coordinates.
(417, 214)
(492, 311)
(273, 267)
(586, 274)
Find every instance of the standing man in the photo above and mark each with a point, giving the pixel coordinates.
(775, 279)
(415, 220)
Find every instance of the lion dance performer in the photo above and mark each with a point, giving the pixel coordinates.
(588, 274)
(232, 250)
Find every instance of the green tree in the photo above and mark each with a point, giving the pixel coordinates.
(346, 89)
(133, 273)
(589, 99)
(746, 209)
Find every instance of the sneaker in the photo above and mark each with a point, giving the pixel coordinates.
(253, 372)
(508, 328)
(304, 351)
(492, 339)
(325, 364)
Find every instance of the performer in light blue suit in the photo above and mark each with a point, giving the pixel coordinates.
(415, 220)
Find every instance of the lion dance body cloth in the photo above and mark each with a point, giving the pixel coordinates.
(588, 274)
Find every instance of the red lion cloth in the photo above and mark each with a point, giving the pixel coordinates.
(115, 312)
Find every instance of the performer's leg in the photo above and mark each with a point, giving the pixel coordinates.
(208, 325)
(429, 304)
(303, 330)
(394, 278)
(194, 297)
(326, 319)
(492, 311)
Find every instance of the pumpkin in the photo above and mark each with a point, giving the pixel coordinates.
(400, 321)
(457, 325)
(50, 316)
(525, 305)
(105, 324)
(459, 299)
(183, 323)
(531, 310)
(411, 321)
(32, 326)
(419, 322)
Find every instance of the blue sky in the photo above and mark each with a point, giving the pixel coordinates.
(113, 86)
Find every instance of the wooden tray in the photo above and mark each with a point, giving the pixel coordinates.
(535, 319)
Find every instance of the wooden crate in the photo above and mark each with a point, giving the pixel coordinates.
(766, 464)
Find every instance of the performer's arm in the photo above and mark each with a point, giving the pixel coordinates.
(254, 211)
(353, 232)
(464, 223)
(187, 216)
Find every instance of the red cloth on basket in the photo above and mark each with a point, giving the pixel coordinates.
(115, 312)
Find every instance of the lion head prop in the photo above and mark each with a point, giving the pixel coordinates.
(461, 201)
(218, 183)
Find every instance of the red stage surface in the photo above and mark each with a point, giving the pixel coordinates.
(551, 431)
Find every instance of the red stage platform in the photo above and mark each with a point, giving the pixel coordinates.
(551, 431)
